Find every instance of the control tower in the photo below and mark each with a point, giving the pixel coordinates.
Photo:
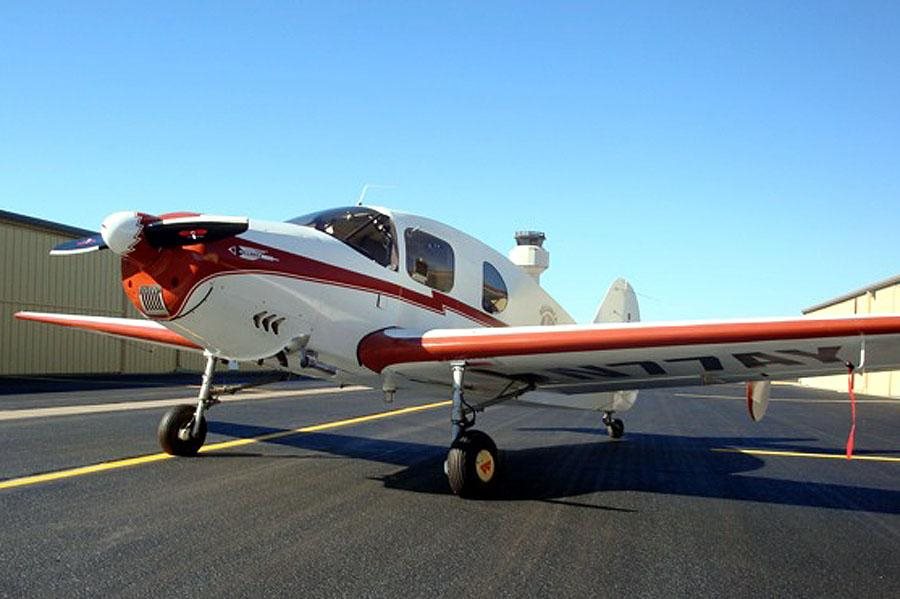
(529, 253)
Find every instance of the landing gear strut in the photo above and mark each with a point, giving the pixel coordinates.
(615, 428)
(471, 464)
(182, 429)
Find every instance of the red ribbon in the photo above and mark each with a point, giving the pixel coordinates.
(851, 438)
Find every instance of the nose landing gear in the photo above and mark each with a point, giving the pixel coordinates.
(182, 429)
(615, 428)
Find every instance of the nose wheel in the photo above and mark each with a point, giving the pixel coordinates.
(182, 429)
(615, 428)
(176, 431)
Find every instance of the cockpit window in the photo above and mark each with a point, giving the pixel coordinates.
(429, 260)
(367, 231)
(494, 296)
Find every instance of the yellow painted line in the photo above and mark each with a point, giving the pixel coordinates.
(152, 404)
(157, 457)
(102, 467)
(805, 454)
(319, 427)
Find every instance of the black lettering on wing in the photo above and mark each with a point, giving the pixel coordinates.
(760, 359)
(709, 363)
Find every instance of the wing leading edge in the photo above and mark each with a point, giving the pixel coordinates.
(591, 358)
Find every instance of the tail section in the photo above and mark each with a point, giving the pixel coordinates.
(619, 305)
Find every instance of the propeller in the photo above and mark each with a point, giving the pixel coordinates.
(80, 246)
(124, 232)
(189, 230)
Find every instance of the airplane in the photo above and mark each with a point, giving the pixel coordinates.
(402, 303)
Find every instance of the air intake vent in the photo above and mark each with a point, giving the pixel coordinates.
(152, 300)
(268, 322)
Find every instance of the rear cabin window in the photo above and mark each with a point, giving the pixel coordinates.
(494, 295)
(367, 231)
(429, 260)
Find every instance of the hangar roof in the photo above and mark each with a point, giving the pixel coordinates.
(895, 280)
(43, 225)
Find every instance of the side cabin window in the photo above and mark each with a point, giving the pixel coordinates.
(367, 231)
(494, 295)
(429, 260)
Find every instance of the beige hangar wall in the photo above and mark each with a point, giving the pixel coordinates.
(30, 279)
(879, 298)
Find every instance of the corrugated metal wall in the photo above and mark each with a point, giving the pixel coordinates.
(880, 301)
(30, 279)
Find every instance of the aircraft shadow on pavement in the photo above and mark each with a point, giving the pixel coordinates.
(650, 463)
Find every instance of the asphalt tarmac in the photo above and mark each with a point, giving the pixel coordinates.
(678, 507)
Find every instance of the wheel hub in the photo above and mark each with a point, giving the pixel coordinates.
(484, 465)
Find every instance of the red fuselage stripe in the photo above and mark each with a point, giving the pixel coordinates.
(301, 267)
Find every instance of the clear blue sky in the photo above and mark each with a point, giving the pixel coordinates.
(730, 158)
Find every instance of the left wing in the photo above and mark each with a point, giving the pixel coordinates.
(126, 328)
(574, 359)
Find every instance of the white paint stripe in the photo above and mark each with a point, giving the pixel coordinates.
(162, 403)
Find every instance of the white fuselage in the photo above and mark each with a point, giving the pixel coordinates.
(319, 288)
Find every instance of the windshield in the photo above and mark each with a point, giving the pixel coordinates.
(367, 231)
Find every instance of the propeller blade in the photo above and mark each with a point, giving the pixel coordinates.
(79, 246)
(190, 230)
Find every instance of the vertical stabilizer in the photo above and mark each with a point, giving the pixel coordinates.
(619, 305)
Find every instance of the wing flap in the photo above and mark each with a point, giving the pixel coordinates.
(126, 328)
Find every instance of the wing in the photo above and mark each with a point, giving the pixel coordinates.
(127, 328)
(576, 359)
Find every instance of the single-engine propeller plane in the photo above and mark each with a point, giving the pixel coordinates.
(406, 304)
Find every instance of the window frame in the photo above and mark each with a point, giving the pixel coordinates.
(415, 264)
(324, 219)
(488, 304)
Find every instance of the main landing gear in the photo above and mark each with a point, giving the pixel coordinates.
(472, 461)
(615, 428)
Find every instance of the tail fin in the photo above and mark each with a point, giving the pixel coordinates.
(619, 305)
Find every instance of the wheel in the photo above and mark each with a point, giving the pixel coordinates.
(615, 428)
(472, 464)
(175, 432)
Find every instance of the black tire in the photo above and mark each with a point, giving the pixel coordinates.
(472, 464)
(172, 423)
(616, 429)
